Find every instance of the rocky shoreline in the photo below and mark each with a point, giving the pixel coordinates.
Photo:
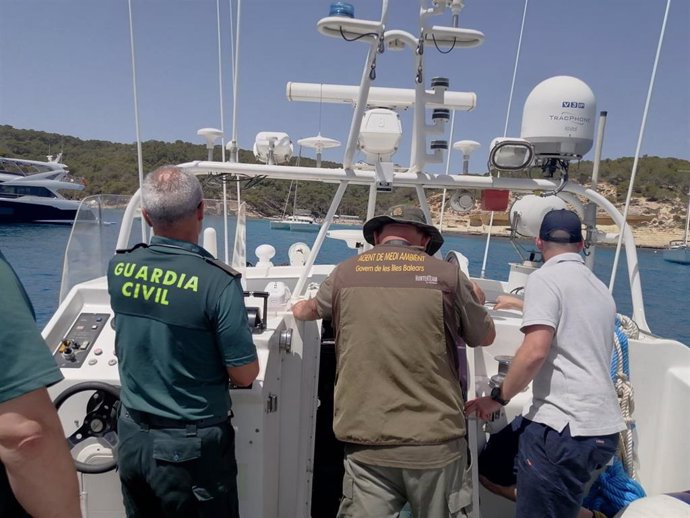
(653, 224)
(644, 237)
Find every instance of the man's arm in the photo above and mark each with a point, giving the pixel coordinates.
(476, 326)
(528, 360)
(321, 306)
(490, 335)
(509, 302)
(235, 338)
(478, 293)
(243, 376)
(35, 454)
(305, 310)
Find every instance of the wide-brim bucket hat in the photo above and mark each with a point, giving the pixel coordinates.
(404, 215)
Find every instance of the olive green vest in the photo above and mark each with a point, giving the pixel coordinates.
(396, 331)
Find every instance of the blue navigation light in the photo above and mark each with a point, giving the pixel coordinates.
(342, 9)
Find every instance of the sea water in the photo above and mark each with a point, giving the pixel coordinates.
(37, 251)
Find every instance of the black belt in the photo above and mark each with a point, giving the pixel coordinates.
(147, 420)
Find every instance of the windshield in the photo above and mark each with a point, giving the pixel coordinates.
(92, 241)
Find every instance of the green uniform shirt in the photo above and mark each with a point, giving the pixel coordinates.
(179, 322)
(26, 362)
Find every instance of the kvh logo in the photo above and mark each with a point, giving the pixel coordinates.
(572, 104)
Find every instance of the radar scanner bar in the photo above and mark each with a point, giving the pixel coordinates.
(380, 97)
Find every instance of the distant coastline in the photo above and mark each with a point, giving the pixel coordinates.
(648, 233)
(657, 209)
(644, 238)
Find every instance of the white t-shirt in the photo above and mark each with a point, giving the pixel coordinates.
(573, 386)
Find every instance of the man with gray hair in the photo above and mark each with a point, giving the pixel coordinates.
(181, 334)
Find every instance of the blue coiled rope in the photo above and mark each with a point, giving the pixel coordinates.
(614, 489)
(623, 340)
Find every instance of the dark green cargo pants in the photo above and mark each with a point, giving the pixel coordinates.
(177, 472)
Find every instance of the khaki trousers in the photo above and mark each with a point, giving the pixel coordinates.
(381, 492)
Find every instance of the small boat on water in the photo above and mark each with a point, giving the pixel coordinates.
(296, 223)
(30, 191)
(678, 251)
(299, 221)
(290, 464)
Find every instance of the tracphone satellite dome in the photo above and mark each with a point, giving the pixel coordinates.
(558, 118)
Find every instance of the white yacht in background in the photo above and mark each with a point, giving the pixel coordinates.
(299, 220)
(296, 223)
(290, 464)
(30, 191)
(13, 168)
(677, 251)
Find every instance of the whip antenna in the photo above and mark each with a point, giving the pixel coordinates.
(639, 145)
(505, 129)
(140, 156)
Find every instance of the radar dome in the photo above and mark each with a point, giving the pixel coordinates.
(558, 118)
(527, 213)
(379, 134)
(272, 147)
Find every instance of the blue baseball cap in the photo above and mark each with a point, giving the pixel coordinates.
(561, 226)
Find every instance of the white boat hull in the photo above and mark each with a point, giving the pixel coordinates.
(34, 209)
(280, 225)
(295, 227)
(679, 255)
(304, 227)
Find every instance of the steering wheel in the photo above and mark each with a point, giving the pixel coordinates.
(98, 432)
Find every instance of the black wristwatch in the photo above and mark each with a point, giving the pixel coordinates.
(496, 396)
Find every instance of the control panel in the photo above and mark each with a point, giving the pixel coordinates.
(75, 346)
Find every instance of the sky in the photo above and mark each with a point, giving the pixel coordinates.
(65, 68)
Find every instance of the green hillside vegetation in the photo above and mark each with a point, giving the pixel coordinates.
(109, 167)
